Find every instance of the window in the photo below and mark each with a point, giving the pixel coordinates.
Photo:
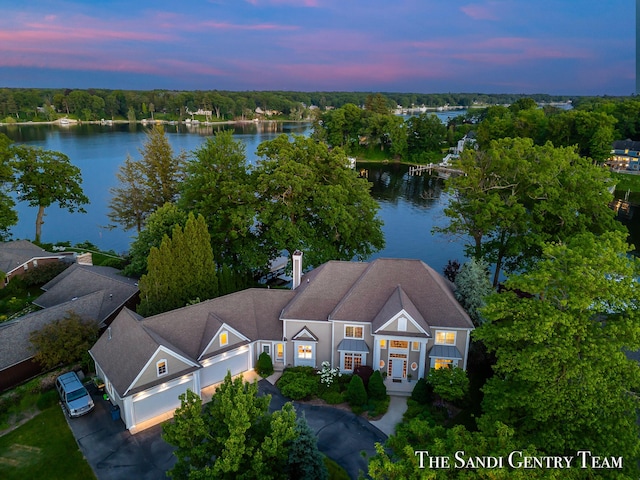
(35, 263)
(352, 361)
(266, 349)
(443, 363)
(352, 331)
(445, 338)
(305, 351)
(383, 344)
(279, 352)
(402, 324)
(224, 338)
(26, 267)
(403, 344)
(161, 367)
(415, 346)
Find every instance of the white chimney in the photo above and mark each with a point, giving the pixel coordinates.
(297, 269)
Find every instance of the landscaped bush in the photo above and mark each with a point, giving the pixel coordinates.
(43, 273)
(356, 394)
(452, 384)
(297, 384)
(377, 390)
(422, 392)
(333, 397)
(364, 372)
(264, 366)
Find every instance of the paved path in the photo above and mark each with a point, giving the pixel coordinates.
(397, 407)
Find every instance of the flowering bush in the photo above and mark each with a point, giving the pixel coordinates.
(328, 374)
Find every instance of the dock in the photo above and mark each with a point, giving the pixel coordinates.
(442, 169)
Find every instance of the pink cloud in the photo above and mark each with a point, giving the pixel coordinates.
(480, 12)
(258, 26)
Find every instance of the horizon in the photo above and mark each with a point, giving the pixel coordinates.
(482, 46)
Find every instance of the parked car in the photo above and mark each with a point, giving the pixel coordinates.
(74, 396)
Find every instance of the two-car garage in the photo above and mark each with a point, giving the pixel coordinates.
(159, 400)
(236, 361)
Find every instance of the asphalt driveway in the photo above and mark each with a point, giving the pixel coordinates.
(115, 454)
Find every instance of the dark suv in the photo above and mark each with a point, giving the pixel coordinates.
(74, 396)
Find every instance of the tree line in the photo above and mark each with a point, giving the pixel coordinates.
(47, 104)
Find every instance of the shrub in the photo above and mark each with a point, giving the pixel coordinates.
(43, 273)
(422, 392)
(265, 365)
(332, 397)
(377, 390)
(356, 394)
(298, 385)
(364, 372)
(328, 374)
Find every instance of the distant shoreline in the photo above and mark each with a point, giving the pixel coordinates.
(73, 122)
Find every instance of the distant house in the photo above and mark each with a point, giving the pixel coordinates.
(625, 155)
(395, 315)
(19, 256)
(93, 293)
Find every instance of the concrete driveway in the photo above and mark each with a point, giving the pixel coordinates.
(115, 454)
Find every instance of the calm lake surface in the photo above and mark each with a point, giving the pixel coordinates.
(409, 206)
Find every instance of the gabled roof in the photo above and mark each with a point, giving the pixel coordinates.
(124, 349)
(79, 280)
(15, 335)
(363, 292)
(13, 254)
(398, 302)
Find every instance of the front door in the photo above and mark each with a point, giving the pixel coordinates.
(397, 368)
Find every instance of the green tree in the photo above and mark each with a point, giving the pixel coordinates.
(8, 216)
(144, 185)
(160, 223)
(305, 460)
(515, 195)
(217, 185)
(472, 287)
(309, 200)
(356, 394)
(264, 367)
(452, 384)
(235, 437)
(64, 341)
(180, 271)
(45, 177)
(425, 134)
(376, 387)
(562, 380)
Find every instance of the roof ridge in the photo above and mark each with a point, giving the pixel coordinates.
(351, 288)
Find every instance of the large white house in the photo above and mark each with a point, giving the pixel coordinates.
(396, 315)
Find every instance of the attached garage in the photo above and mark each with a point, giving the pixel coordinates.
(236, 361)
(159, 400)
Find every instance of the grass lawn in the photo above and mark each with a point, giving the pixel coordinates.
(43, 448)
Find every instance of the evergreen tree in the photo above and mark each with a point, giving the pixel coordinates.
(305, 460)
(146, 184)
(377, 390)
(356, 394)
(472, 287)
(180, 271)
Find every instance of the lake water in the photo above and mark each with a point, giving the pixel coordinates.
(409, 206)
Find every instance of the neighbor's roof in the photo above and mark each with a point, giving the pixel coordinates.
(13, 254)
(15, 344)
(79, 280)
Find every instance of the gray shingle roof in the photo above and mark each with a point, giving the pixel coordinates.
(15, 345)
(79, 280)
(13, 254)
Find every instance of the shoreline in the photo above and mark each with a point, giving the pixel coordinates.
(144, 121)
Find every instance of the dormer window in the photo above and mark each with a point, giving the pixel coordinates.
(161, 367)
(402, 324)
(224, 338)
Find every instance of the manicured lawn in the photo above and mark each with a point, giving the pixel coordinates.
(43, 448)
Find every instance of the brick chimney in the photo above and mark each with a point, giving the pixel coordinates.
(297, 269)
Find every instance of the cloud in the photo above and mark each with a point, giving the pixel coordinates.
(481, 12)
(292, 3)
(258, 26)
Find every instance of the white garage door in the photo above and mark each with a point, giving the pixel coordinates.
(158, 403)
(236, 362)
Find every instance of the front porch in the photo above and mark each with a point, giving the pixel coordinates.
(400, 387)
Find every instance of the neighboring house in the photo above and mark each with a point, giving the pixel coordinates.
(399, 316)
(19, 256)
(95, 293)
(625, 155)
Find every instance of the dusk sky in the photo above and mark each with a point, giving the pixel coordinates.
(569, 47)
